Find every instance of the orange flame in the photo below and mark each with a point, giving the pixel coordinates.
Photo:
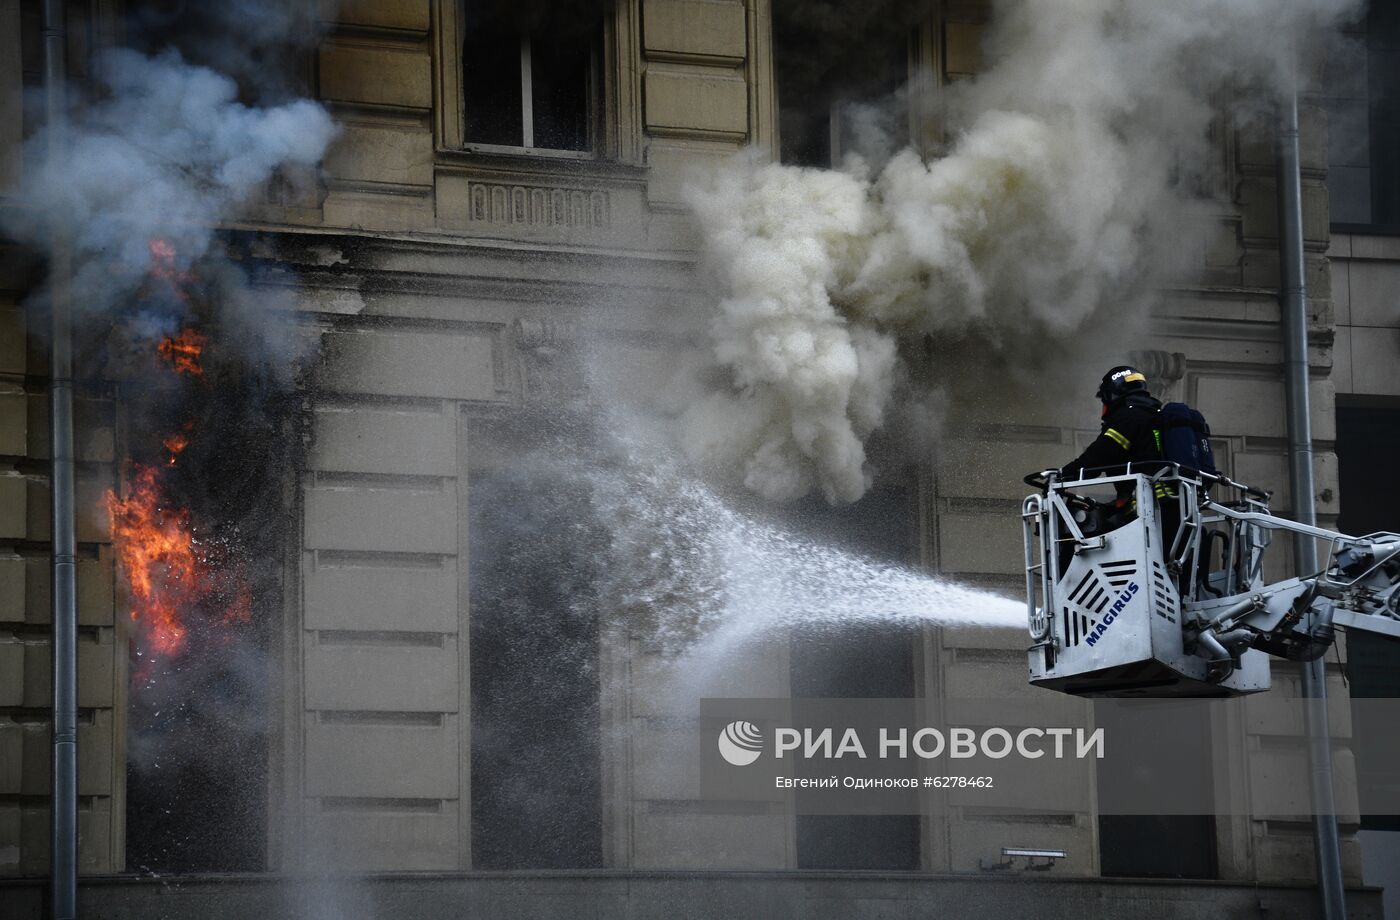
(162, 252)
(178, 441)
(175, 443)
(163, 263)
(172, 574)
(156, 549)
(183, 350)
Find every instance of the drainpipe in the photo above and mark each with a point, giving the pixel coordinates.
(64, 865)
(1294, 299)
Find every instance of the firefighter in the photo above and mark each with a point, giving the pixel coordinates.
(1129, 434)
(1129, 430)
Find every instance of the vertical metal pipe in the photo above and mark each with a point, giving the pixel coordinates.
(527, 93)
(64, 866)
(1294, 299)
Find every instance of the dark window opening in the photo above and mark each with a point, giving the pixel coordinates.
(875, 662)
(1367, 438)
(1207, 178)
(491, 63)
(265, 46)
(200, 729)
(536, 769)
(840, 69)
(31, 56)
(1363, 121)
(1159, 846)
(1383, 79)
(529, 84)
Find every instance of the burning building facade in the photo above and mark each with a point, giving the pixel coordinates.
(335, 612)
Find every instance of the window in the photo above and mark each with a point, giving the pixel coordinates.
(1160, 846)
(1363, 115)
(858, 662)
(536, 757)
(837, 95)
(529, 84)
(1368, 436)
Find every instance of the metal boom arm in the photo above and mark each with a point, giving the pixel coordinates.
(1359, 589)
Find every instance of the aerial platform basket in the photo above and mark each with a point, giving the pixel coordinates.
(1118, 605)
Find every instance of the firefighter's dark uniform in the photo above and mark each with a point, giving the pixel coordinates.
(1130, 435)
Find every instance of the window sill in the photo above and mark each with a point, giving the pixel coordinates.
(547, 164)
(503, 150)
(1367, 229)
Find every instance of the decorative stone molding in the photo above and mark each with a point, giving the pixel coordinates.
(541, 198)
(1165, 368)
(550, 367)
(539, 206)
(543, 336)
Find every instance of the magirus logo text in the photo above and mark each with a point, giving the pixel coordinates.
(1113, 612)
(742, 743)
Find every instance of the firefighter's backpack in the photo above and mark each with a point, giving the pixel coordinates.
(1186, 438)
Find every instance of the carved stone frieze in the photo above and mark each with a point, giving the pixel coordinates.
(539, 206)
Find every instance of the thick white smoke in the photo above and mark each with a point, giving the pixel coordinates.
(1073, 160)
(167, 152)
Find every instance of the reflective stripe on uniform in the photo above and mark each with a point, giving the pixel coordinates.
(1122, 441)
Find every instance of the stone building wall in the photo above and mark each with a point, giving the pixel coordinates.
(418, 257)
(1365, 271)
(25, 659)
(1365, 267)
